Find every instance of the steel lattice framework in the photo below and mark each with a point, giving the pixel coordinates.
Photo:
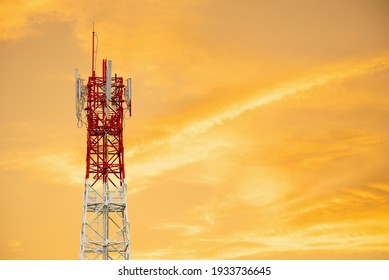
(105, 226)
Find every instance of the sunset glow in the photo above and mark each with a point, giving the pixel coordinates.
(259, 131)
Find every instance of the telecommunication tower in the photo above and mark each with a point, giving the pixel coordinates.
(101, 105)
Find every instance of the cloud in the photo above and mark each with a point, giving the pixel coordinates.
(267, 96)
(184, 229)
(165, 157)
(308, 194)
(15, 245)
(62, 167)
(170, 151)
(19, 17)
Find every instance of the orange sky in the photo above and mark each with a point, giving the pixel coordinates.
(259, 129)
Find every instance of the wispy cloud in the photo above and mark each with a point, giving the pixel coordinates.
(15, 246)
(175, 149)
(185, 229)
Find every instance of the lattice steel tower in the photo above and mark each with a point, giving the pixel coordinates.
(100, 106)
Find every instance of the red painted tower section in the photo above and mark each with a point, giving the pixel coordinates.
(105, 129)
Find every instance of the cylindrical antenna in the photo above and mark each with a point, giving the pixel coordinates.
(93, 51)
(108, 82)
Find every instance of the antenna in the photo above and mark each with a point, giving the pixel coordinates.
(109, 80)
(93, 51)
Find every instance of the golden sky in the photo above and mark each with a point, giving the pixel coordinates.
(260, 128)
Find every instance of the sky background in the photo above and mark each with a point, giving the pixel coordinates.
(259, 131)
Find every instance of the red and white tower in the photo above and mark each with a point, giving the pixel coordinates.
(100, 106)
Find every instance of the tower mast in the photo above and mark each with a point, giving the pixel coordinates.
(100, 107)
